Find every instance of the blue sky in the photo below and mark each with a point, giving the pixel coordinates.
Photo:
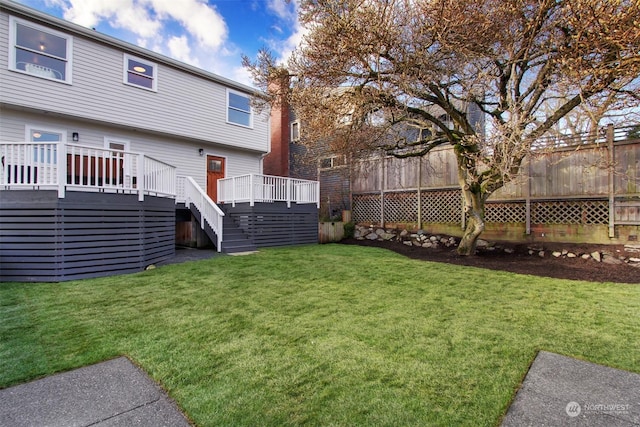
(210, 34)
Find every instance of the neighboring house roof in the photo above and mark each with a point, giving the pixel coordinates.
(61, 24)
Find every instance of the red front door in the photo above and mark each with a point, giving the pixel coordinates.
(215, 171)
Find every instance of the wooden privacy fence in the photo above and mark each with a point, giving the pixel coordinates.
(595, 181)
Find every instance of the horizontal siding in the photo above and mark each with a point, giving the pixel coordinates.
(274, 224)
(43, 238)
(181, 153)
(185, 104)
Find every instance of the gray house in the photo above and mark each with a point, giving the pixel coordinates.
(109, 152)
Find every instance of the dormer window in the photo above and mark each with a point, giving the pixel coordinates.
(39, 51)
(141, 73)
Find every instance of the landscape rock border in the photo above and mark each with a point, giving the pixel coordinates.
(630, 254)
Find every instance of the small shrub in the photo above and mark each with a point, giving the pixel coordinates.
(349, 230)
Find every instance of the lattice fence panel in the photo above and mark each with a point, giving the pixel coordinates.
(443, 206)
(503, 212)
(401, 207)
(570, 212)
(366, 208)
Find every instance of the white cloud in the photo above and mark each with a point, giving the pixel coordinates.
(180, 50)
(288, 12)
(202, 21)
(124, 14)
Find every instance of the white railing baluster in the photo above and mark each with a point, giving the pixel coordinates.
(253, 188)
(189, 192)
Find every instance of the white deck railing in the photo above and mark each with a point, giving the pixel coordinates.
(267, 189)
(61, 166)
(189, 192)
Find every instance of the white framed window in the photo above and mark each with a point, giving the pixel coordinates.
(239, 110)
(44, 151)
(332, 162)
(295, 131)
(140, 73)
(39, 51)
(120, 147)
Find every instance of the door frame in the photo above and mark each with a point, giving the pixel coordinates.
(206, 172)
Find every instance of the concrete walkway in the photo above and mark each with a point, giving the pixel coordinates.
(557, 391)
(562, 391)
(115, 393)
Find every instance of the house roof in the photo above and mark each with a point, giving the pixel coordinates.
(66, 26)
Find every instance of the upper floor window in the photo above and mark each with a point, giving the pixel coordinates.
(141, 73)
(332, 162)
(239, 109)
(39, 51)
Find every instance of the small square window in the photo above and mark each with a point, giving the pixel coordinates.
(215, 166)
(141, 73)
(295, 131)
(39, 51)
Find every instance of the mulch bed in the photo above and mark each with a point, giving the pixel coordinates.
(520, 261)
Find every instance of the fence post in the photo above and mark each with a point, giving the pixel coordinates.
(419, 192)
(141, 178)
(527, 200)
(612, 183)
(382, 187)
(251, 191)
(61, 161)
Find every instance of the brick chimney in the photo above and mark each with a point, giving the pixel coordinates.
(277, 161)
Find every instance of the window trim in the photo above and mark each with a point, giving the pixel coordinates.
(51, 155)
(295, 123)
(125, 72)
(13, 33)
(229, 107)
(335, 161)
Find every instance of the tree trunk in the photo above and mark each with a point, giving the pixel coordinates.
(474, 206)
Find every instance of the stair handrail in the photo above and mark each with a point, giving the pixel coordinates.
(190, 192)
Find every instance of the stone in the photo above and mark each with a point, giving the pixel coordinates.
(372, 236)
(596, 255)
(632, 248)
(433, 238)
(481, 243)
(388, 236)
(571, 255)
(427, 245)
(564, 252)
(380, 231)
(509, 250)
(530, 252)
(632, 259)
(541, 254)
(609, 259)
(407, 242)
(585, 256)
(403, 233)
(556, 254)
(357, 234)
(151, 267)
(417, 244)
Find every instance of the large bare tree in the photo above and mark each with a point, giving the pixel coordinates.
(367, 66)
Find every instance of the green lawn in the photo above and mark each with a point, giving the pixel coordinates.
(321, 335)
